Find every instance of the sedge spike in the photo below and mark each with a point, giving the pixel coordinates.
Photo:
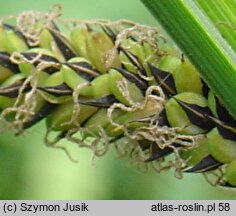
(101, 84)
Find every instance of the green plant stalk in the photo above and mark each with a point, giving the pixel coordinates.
(215, 65)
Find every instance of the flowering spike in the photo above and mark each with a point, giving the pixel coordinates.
(113, 83)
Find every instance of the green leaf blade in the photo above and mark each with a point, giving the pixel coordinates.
(208, 55)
